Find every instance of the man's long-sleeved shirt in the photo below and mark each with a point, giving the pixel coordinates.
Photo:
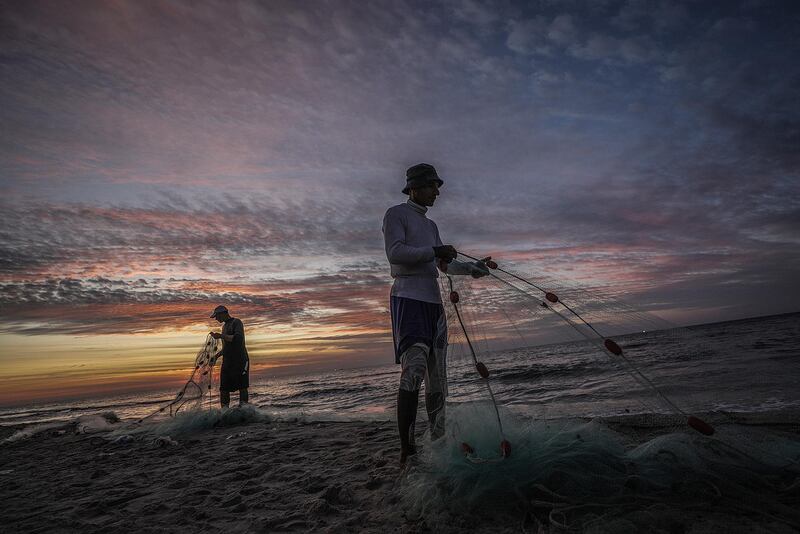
(234, 352)
(409, 237)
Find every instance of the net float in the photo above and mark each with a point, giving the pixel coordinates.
(491, 264)
(467, 449)
(700, 425)
(505, 448)
(612, 347)
(482, 370)
(454, 297)
(552, 297)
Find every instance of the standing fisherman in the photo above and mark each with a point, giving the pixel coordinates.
(419, 325)
(234, 374)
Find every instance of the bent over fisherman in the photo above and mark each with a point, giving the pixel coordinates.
(419, 326)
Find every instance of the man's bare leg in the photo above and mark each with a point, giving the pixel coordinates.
(406, 415)
(224, 399)
(414, 367)
(243, 396)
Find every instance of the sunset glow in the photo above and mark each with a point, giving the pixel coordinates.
(152, 168)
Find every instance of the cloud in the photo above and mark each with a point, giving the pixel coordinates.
(610, 48)
(562, 30)
(104, 306)
(258, 145)
(659, 16)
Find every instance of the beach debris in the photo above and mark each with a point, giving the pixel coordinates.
(90, 424)
(124, 439)
(164, 441)
(84, 424)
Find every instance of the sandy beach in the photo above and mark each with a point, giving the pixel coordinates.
(251, 475)
(258, 477)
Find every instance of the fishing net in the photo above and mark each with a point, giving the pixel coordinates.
(573, 407)
(198, 390)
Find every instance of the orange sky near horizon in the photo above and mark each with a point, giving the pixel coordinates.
(50, 368)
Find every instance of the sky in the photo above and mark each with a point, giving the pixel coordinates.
(160, 158)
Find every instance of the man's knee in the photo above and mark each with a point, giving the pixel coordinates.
(414, 366)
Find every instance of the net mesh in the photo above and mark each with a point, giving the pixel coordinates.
(572, 407)
(198, 390)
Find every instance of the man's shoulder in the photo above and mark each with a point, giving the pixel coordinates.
(397, 211)
(398, 208)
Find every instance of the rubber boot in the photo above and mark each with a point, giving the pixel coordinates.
(434, 405)
(407, 402)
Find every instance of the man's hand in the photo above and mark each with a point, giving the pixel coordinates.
(446, 253)
(215, 335)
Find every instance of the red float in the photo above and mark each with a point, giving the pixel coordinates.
(505, 448)
(491, 264)
(552, 297)
(612, 347)
(466, 449)
(454, 297)
(700, 425)
(482, 370)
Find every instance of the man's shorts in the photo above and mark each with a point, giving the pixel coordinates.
(416, 321)
(234, 376)
(420, 339)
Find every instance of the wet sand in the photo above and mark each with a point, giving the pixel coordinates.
(275, 476)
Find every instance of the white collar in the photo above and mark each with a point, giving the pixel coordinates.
(417, 207)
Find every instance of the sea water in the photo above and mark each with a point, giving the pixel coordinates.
(749, 365)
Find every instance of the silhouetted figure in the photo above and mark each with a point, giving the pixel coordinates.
(235, 372)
